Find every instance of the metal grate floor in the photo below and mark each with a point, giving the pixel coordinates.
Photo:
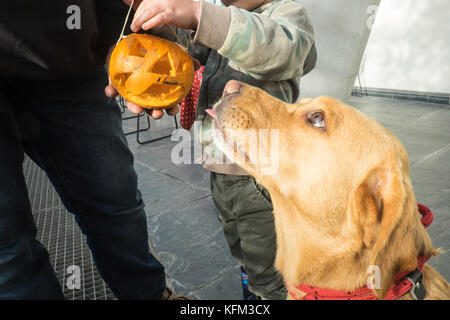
(60, 234)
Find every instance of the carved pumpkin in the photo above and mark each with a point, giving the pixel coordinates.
(150, 71)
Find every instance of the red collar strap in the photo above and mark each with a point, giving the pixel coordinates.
(403, 283)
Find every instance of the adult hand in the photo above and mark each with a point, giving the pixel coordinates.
(151, 14)
(111, 92)
(155, 13)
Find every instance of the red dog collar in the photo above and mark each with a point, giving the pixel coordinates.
(403, 283)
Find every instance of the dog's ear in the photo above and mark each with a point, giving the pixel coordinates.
(378, 208)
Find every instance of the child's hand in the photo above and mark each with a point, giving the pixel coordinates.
(154, 13)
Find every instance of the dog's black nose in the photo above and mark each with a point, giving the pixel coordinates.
(231, 87)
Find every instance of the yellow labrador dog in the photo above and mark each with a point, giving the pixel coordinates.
(346, 217)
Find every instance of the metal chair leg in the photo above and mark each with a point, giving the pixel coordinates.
(176, 123)
(138, 120)
(138, 140)
(121, 102)
(138, 130)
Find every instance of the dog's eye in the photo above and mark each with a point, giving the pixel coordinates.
(316, 118)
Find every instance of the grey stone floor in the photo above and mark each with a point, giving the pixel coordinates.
(183, 221)
(424, 129)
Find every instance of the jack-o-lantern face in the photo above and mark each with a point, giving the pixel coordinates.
(150, 71)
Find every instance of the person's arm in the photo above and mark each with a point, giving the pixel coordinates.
(268, 47)
(272, 47)
(164, 18)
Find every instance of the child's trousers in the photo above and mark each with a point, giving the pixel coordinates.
(246, 213)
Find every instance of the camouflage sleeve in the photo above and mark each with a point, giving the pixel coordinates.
(272, 45)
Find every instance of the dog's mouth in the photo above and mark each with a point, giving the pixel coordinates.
(219, 133)
(230, 141)
(215, 125)
(235, 133)
(212, 113)
(215, 122)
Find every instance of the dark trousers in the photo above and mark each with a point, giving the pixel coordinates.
(246, 213)
(74, 133)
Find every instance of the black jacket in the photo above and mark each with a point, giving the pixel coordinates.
(40, 39)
